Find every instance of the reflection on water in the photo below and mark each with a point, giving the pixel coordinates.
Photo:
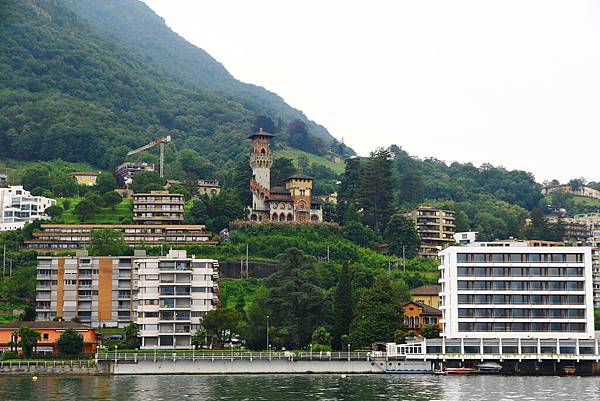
(298, 387)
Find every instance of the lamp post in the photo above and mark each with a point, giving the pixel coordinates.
(268, 332)
(155, 353)
(310, 350)
(348, 352)
(116, 352)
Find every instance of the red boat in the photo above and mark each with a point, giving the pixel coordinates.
(461, 371)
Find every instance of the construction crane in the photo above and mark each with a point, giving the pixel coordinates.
(158, 141)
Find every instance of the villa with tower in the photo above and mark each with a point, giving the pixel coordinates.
(292, 203)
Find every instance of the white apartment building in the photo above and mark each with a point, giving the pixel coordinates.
(513, 290)
(174, 293)
(18, 206)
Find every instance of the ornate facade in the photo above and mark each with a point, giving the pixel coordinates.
(292, 203)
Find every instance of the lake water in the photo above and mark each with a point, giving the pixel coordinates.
(298, 387)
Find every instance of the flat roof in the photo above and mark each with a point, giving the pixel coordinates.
(183, 226)
(44, 325)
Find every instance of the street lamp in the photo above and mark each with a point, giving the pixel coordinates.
(155, 353)
(116, 352)
(268, 332)
(348, 352)
(310, 350)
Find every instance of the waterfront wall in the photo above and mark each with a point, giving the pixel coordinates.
(220, 366)
(53, 368)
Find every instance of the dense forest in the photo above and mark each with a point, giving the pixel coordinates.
(90, 76)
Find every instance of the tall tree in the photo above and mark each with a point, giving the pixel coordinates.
(36, 177)
(296, 301)
(401, 235)
(411, 187)
(378, 315)
(348, 194)
(282, 169)
(107, 242)
(298, 134)
(222, 324)
(131, 336)
(64, 185)
(217, 211)
(342, 307)
(112, 199)
(105, 183)
(376, 191)
(27, 339)
(70, 343)
(85, 209)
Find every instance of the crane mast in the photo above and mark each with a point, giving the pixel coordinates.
(161, 144)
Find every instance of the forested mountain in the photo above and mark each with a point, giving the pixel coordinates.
(86, 81)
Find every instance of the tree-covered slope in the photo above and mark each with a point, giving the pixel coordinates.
(71, 91)
(132, 23)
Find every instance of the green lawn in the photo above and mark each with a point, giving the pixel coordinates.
(294, 154)
(104, 216)
(578, 201)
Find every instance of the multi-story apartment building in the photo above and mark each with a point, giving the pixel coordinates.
(114, 291)
(517, 291)
(576, 230)
(435, 228)
(175, 292)
(54, 237)
(99, 291)
(18, 207)
(158, 207)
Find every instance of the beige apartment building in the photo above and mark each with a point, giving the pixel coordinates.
(435, 227)
(102, 291)
(53, 237)
(98, 290)
(158, 207)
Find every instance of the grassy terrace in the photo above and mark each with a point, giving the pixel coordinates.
(295, 154)
(121, 214)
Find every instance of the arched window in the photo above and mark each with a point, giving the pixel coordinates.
(263, 152)
(253, 217)
(274, 216)
(290, 217)
(282, 217)
(314, 217)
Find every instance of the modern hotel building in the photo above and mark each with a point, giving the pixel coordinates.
(513, 290)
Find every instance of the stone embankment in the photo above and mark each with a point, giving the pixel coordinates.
(87, 367)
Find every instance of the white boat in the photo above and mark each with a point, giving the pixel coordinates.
(489, 367)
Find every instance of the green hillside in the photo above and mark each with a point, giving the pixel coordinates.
(88, 81)
(295, 155)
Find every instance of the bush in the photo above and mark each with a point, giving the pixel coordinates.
(6, 355)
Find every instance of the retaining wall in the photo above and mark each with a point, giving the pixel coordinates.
(245, 367)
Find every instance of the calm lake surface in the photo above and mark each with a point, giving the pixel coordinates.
(299, 387)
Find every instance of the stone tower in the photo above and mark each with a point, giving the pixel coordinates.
(261, 161)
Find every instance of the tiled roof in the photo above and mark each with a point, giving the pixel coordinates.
(82, 173)
(279, 190)
(430, 289)
(427, 310)
(43, 325)
(299, 176)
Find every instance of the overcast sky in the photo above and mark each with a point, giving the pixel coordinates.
(513, 83)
